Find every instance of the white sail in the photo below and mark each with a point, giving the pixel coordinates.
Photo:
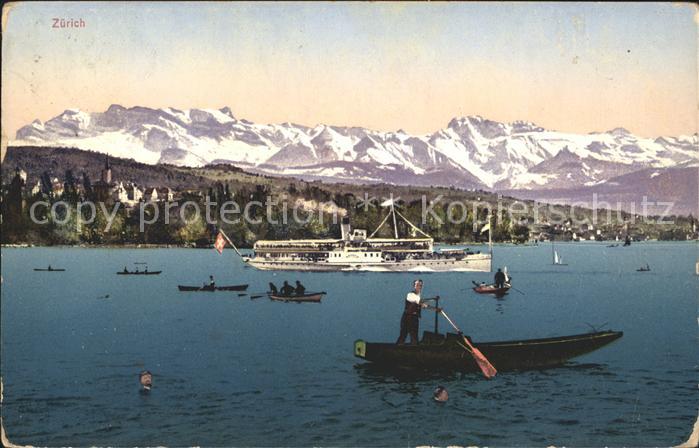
(556, 258)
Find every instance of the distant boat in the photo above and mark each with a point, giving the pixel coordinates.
(139, 272)
(643, 269)
(49, 269)
(557, 260)
(491, 289)
(210, 288)
(313, 297)
(613, 245)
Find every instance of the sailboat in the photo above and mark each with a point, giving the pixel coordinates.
(557, 260)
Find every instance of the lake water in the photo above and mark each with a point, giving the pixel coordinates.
(230, 371)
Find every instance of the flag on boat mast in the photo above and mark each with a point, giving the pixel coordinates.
(486, 227)
(220, 243)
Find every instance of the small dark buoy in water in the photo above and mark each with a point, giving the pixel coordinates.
(146, 380)
(441, 394)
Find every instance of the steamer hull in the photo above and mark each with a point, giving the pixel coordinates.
(474, 263)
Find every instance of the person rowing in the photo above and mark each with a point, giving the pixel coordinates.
(500, 279)
(410, 319)
(300, 289)
(287, 290)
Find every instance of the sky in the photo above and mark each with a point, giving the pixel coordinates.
(573, 67)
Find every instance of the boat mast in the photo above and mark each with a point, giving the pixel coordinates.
(490, 242)
(436, 315)
(393, 213)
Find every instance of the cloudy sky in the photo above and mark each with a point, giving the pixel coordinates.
(571, 67)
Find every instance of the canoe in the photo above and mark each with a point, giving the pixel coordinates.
(311, 297)
(437, 352)
(491, 289)
(49, 270)
(139, 273)
(211, 289)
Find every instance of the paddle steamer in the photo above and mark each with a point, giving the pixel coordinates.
(355, 251)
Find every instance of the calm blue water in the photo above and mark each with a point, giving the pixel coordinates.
(238, 372)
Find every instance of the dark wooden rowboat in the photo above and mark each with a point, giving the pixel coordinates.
(49, 270)
(437, 352)
(492, 289)
(313, 297)
(139, 273)
(213, 288)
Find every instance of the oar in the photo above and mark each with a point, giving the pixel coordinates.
(486, 367)
(517, 290)
(257, 295)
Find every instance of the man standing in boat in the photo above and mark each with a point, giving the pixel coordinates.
(500, 279)
(410, 320)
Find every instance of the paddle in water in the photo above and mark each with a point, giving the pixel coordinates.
(486, 367)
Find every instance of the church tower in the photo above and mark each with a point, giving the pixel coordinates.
(107, 172)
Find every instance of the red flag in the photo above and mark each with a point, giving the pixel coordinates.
(220, 243)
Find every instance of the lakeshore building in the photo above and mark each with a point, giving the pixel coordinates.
(156, 194)
(106, 189)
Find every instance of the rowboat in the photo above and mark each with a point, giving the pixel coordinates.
(213, 288)
(139, 273)
(313, 297)
(492, 289)
(49, 270)
(438, 352)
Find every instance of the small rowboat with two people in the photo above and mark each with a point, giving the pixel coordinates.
(482, 288)
(498, 289)
(455, 352)
(212, 288)
(313, 297)
(49, 269)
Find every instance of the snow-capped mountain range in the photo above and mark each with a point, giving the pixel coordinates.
(470, 152)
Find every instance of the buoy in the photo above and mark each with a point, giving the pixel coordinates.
(440, 394)
(146, 379)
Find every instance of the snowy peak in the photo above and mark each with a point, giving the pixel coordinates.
(471, 151)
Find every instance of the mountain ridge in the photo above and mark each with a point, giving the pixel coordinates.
(470, 152)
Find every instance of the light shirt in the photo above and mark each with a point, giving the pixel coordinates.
(413, 297)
